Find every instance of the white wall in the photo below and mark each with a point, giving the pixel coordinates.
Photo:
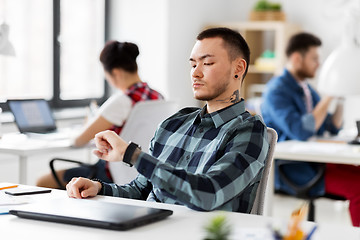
(144, 23)
(165, 31)
(186, 19)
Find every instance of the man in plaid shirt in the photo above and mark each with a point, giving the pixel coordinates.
(206, 159)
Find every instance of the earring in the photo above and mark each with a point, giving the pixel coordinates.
(236, 76)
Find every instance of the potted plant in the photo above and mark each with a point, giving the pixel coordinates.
(267, 11)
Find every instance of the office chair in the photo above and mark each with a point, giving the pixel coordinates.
(303, 191)
(258, 207)
(140, 127)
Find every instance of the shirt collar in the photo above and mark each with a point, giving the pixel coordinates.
(224, 115)
(303, 84)
(136, 86)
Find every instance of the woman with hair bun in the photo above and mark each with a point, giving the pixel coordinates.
(121, 71)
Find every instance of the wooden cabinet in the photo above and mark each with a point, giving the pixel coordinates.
(270, 36)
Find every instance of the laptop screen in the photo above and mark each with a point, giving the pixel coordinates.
(32, 115)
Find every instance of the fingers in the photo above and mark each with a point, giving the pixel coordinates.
(81, 188)
(88, 193)
(73, 188)
(99, 154)
(101, 141)
(104, 135)
(103, 146)
(92, 191)
(107, 139)
(110, 146)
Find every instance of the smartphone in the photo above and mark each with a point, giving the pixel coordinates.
(26, 191)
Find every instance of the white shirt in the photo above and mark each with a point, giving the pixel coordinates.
(116, 109)
(307, 96)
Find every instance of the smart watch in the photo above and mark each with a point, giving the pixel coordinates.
(129, 152)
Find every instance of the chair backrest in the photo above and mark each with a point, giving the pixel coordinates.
(140, 127)
(258, 207)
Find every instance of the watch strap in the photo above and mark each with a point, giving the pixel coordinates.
(129, 152)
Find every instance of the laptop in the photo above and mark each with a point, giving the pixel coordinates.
(32, 115)
(91, 213)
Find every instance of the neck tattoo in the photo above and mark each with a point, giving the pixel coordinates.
(234, 98)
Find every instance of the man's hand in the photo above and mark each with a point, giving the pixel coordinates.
(320, 111)
(82, 188)
(110, 146)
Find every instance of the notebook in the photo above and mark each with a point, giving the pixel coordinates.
(91, 213)
(32, 115)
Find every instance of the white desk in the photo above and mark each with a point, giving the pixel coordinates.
(322, 151)
(24, 147)
(183, 224)
(318, 151)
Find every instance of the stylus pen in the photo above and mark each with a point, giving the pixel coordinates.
(12, 186)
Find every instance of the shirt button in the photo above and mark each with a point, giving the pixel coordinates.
(187, 157)
(201, 130)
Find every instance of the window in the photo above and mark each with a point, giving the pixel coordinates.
(29, 73)
(57, 45)
(80, 70)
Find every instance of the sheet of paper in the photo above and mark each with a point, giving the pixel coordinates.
(7, 201)
(252, 234)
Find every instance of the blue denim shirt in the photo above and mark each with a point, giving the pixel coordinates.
(284, 109)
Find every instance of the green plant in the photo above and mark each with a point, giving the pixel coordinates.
(264, 5)
(218, 229)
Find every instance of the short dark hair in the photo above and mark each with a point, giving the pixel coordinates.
(234, 43)
(301, 42)
(119, 55)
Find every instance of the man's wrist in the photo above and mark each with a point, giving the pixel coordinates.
(131, 153)
(135, 156)
(99, 184)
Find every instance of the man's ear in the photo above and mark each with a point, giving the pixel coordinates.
(240, 66)
(296, 59)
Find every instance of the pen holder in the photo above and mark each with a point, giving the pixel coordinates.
(294, 228)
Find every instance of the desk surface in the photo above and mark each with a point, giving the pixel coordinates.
(318, 151)
(183, 224)
(22, 145)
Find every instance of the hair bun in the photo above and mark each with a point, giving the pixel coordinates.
(119, 55)
(131, 49)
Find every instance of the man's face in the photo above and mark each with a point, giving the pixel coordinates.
(210, 69)
(309, 64)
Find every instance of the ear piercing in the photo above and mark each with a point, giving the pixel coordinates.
(236, 76)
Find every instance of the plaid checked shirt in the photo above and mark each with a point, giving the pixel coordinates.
(203, 161)
(139, 92)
